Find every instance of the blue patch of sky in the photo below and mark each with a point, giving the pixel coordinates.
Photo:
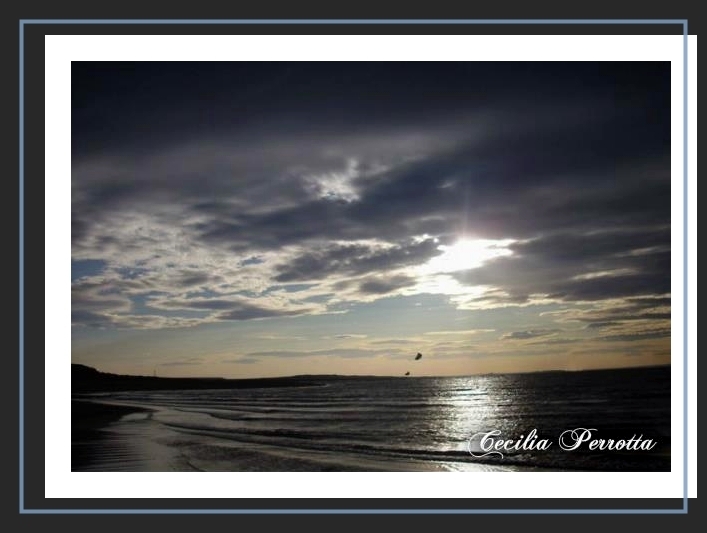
(86, 267)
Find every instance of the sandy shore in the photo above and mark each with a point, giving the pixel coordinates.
(131, 438)
(89, 423)
(110, 437)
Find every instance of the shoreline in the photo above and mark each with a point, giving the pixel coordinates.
(117, 437)
(89, 422)
(112, 436)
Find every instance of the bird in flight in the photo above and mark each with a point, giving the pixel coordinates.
(418, 356)
(407, 373)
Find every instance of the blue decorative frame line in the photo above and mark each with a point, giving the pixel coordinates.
(23, 510)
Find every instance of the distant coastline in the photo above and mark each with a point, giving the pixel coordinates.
(86, 379)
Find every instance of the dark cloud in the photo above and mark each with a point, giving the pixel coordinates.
(596, 246)
(191, 279)
(199, 303)
(646, 282)
(578, 266)
(356, 260)
(602, 324)
(79, 227)
(461, 185)
(82, 317)
(633, 319)
(163, 101)
(96, 303)
(244, 311)
(649, 302)
(554, 341)
(385, 285)
(630, 310)
(632, 337)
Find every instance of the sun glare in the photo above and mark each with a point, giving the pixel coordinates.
(466, 254)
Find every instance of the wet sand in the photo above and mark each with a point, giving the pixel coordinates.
(101, 440)
(117, 437)
(121, 437)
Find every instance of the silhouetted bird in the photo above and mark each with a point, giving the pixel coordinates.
(418, 356)
(407, 373)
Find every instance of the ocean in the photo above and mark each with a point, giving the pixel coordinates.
(601, 420)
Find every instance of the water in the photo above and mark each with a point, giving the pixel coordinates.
(397, 424)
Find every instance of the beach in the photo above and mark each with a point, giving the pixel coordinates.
(386, 424)
(108, 436)
(118, 437)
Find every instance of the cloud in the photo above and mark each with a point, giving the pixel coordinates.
(282, 337)
(241, 361)
(578, 267)
(188, 362)
(556, 341)
(192, 279)
(385, 285)
(528, 334)
(147, 321)
(636, 336)
(619, 320)
(602, 324)
(356, 259)
(95, 303)
(459, 332)
(347, 353)
(233, 308)
(395, 341)
(250, 312)
(618, 311)
(80, 317)
(208, 202)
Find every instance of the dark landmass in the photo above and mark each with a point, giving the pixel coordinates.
(85, 379)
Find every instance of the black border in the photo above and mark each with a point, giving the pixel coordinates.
(34, 290)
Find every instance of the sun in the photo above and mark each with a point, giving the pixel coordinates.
(466, 254)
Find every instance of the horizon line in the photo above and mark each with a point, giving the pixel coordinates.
(329, 375)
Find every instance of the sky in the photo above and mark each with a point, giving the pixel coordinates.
(251, 219)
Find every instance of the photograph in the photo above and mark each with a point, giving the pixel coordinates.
(371, 266)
